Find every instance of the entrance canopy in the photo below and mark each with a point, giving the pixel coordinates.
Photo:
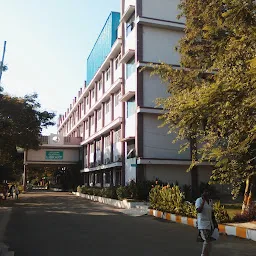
(54, 150)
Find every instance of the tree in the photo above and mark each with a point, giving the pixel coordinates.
(21, 123)
(212, 96)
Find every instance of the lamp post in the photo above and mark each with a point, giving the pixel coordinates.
(2, 61)
(21, 150)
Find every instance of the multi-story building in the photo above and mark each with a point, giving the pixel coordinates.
(115, 112)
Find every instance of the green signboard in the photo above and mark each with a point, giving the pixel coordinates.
(54, 155)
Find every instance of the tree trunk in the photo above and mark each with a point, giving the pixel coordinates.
(194, 172)
(248, 195)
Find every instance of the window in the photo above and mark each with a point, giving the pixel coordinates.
(92, 93)
(86, 125)
(107, 177)
(117, 136)
(130, 24)
(108, 74)
(81, 131)
(98, 178)
(117, 61)
(99, 85)
(92, 120)
(99, 114)
(107, 141)
(92, 148)
(107, 106)
(130, 67)
(118, 178)
(131, 149)
(82, 105)
(98, 145)
(117, 98)
(131, 107)
(87, 100)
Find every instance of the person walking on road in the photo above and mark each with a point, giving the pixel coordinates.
(12, 191)
(206, 221)
(17, 192)
(5, 191)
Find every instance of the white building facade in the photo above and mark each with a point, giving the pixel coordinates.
(115, 112)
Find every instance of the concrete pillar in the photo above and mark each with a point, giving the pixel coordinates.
(25, 178)
(112, 106)
(111, 146)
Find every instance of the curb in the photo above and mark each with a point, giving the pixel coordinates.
(124, 204)
(223, 229)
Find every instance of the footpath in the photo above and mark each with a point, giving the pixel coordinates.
(5, 213)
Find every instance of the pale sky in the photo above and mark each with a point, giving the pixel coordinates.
(48, 42)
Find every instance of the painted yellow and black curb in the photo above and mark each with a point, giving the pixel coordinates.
(223, 228)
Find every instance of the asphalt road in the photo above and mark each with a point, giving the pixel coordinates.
(60, 224)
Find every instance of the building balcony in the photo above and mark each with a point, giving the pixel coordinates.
(57, 140)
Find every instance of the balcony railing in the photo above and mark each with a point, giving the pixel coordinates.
(47, 140)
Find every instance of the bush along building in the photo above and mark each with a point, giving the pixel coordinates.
(115, 112)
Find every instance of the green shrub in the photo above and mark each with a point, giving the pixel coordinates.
(103, 192)
(79, 189)
(132, 190)
(122, 192)
(220, 213)
(143, 189)
(172, 200)
(166, 199)
(189, 210)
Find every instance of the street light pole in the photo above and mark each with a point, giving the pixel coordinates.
(2, 62)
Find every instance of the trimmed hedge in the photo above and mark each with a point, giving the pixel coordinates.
(172, 200)
(136, 191)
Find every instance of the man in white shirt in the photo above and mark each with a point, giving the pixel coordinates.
(204, 207)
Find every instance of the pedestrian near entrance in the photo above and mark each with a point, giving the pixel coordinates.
(205, 221)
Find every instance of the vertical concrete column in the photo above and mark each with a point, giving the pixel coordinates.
(84, 105)
(103, 114)
(103, 82)
(89, 126)
(112, 106)
(123, 103)
(102, 149)
(88, 155)
(25, 177)
(112, 71)
(112, 146)
(25, 171)
(90, 99)
(102, 178)
(95, 120)
(96, 91)
(94, 153)
(83, 130)
(111, 177)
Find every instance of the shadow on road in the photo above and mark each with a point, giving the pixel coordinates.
(59, 224)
